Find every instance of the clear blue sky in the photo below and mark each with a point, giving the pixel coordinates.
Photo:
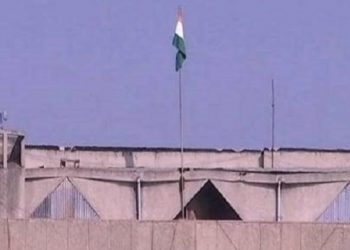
(88, 72)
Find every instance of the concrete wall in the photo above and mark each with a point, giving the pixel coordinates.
(12, 193)
(95, 157)
(141, 158)
(309, 159)
(177, 235)
(253, 195)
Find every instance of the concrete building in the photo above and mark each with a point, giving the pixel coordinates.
(99, 186)
(143, 183)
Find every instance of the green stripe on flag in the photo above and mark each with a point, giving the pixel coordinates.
(179, 43)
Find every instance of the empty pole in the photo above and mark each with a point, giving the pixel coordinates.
(272, 122)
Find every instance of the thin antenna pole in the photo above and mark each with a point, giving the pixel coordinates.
(272, 122)
(181, 147)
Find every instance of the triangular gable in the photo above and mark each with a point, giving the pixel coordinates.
(65, 202)
(339, 209)
(209, 204)
(38, 190)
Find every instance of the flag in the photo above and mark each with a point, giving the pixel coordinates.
(179, 42)
(3, 117)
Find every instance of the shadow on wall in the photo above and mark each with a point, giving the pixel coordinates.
(129, 159)
(209, 204)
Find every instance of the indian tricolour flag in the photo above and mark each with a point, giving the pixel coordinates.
(179, 41)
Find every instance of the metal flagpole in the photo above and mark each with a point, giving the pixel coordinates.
(181, 148)
(272, 122)
(181, 56)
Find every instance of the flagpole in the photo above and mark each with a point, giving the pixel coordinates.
(181, 148)
(179, 43)
(272, 122)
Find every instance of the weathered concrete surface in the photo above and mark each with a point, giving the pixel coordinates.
(163, 235)
(177, 235)
(35, 235)
(270, 237)
(120, 235)
(311, 237)
(112, 193)
(228, 235)
(36, 191)
(184, 236)
(98, 235)
(4, 236)
(114, 157)
(57, 234)
(110, 200)
(17, 234)
(206, 236)
(78, 235)
(332, 237)
(103, 157)
(141, 233)
(252, 194)
(306, 202)
(241, 195)
(12, 204)
(291, 236)
(346, 237)
(309, 158)
(161, 201)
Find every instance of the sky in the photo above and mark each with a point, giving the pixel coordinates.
(88, 72)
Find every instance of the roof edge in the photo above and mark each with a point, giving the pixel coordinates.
(175, 149)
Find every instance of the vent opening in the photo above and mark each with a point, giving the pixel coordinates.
(209, 204)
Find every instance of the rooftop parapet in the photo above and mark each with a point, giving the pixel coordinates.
(11, 148)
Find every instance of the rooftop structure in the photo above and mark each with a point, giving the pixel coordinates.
(104, 183)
